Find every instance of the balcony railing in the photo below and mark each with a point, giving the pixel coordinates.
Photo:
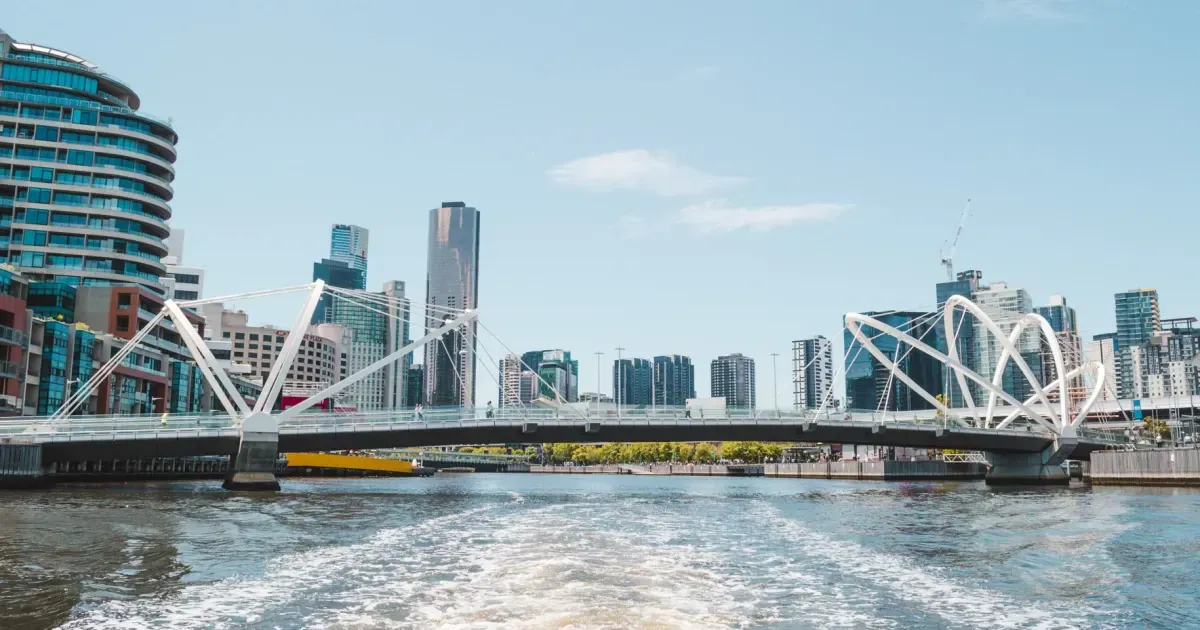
(66, 64)
(73, 102)
(12, 336)
(8, 369)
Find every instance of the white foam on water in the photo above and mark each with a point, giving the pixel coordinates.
(928, 587)
(236, 601)
(633, 564)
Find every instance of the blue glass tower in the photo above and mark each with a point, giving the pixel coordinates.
(966, 284)
(348, 244)
(85, 177)
(868, 381)
(1137, 318)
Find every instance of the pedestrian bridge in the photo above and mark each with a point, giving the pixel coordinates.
(101, 438)
(1026, 441)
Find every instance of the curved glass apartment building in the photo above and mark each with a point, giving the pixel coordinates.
(85, 178)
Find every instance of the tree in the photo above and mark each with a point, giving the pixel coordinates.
(704, 453)
(1156, 428)
(945, 402)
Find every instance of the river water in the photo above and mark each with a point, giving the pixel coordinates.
(576, 551)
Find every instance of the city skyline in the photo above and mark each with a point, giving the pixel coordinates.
(909, 207)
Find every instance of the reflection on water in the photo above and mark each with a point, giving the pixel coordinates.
(529, 551)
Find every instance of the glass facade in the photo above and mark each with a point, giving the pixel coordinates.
(52, 300)
(1137, 318)
(80, 169)
(187, 388)
(348, 244)
(335, 273)
(55, 352)
(674, 380)
(452, 282)
(868, 383)
(966, 284)
(632, 382)
(368, 328)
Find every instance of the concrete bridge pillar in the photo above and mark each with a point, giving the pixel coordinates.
(1043, 468)
(254, 466)
(21, 466)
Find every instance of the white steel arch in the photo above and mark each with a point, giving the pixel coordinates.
(1055, 422)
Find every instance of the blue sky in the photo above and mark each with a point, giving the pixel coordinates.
(698, 178)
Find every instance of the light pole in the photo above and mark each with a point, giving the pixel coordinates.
(67, 393)
(775, 379)
(599, 369)
(620, 379)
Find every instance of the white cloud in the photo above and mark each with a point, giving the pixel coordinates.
(640, 169)
(1043, 10)
(718, 216)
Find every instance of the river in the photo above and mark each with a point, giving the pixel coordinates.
(576, 551)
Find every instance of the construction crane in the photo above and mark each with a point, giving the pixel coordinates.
(948, 259)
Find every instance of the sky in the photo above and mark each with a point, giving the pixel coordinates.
(694, 177)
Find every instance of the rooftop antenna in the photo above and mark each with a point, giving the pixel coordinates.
(948, 259)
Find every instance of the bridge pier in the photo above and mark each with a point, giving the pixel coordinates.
(1043, 468)
(254, 466)
(21, 467)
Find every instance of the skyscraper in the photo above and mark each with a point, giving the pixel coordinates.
(1103, 349)
(1138, 319)
(1063, 320)
(812, 372)
(348, 244)
(869, 383)
(85, 177)
(1005, 304)
(674, 380)
(335, 273)
(733, 379)
(452, 283)
(967, 283)
(396, 373)
(631, 382)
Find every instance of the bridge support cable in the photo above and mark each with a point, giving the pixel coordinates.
(241, 296)
(207, 362)
(332, 390)
(1095, 367)
(581, 415)
(495, 378)
(841, 368)
(891, 375)
(295, 339)
(84, 392)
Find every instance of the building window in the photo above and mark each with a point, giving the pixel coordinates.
(238, 344)
(253, 336)
(239, 335)
(122, 323)
(238, 355)
(124, 300)
(225, 334)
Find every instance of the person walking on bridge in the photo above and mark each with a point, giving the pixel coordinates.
(491, 411)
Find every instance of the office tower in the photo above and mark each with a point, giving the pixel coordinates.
(335, 273)
(557, 373)
(812, 373)
(966, 284)
(869, 383)
(415, 385)
(1137, 318)
(348, 244)
(1005, 304)
(368, 328)
(452, 285)
(631, 382)
(396, 373)
(1103, 349)
(674, 380)
(510, 381)
(1168, 365)
(733, 380)
(85, 178)
(1063, 321)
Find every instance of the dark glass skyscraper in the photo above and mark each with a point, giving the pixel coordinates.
(674, 380)
(966, 284)
(868, 381)
(85, 178)
(451, 282)
(631, 382)
(1138, 318)
(335, 273)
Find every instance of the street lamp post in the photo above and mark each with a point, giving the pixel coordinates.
(775, 379)
(599, 394)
